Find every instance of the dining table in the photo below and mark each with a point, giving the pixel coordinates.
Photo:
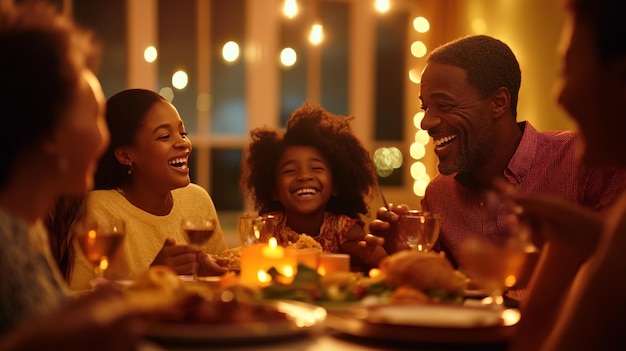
(466, 322)
(325, 340)
(341, 330)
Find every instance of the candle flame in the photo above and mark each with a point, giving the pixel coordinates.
(263, 277)
(288, 271)
(321, 270)
(272, 242)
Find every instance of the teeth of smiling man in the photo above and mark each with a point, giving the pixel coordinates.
(178, 161)
(445, 139)
(306, 191)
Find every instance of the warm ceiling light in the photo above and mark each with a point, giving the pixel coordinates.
(317, 34)
(290, 8)
(382, 6)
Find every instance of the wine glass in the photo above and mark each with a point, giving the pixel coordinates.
(493, 267)
(420, 229)
(101, 241)
(250, 228)
(499, 266)
(198, 231)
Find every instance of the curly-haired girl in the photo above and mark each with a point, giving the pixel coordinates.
(314, 179)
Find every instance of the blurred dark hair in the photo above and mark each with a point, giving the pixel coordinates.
(125, 112)
(606, 18)
(60, 221)
(42, 57)
(489, 63)
(352, 168)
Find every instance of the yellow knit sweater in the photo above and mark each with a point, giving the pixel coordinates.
(145, 232)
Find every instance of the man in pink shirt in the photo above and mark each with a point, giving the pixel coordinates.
(469, 91)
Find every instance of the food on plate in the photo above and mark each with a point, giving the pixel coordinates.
(225, 309)
(407, 294)
(232, 258)
(196, 301)
(404, 277)
(428, 272)
(157, 277)
(309, 286)
(305, 242)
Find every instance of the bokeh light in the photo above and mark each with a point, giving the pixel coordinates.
(290, 8)
(387, 159)
(203, 102)
(150, 54)
(382, 6)
(418, 49)
(317, 34)
(288, 57)
(180, 80)
(417, 151)
(230, 51)
(167, 93)
(421, 24)
(417, 119)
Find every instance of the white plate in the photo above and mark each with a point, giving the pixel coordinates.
(303, 318)
(446, 324)
(476, 293)
(434, 316)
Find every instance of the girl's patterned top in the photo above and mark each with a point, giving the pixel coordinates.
(332, 233)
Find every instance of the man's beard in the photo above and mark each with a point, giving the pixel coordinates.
(470, 156)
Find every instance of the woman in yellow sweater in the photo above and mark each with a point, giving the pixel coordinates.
(143, 178)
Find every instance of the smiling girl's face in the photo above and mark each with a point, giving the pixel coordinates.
(303, 180)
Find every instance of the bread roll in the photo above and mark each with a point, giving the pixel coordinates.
(425, 271)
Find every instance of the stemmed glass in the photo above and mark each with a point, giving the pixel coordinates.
(250, 228)
(495, 266)
(101, 241)
(198, 231)
(420, 229)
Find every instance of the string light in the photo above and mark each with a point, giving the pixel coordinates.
(382, 6)
(317, 34)
(290, 8)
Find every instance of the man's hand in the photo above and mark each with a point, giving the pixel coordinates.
(385, 226)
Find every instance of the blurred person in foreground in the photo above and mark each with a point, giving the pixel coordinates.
(53, 114)
(570, 306)
(469, 92)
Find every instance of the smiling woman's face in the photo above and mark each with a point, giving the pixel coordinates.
(161, 150)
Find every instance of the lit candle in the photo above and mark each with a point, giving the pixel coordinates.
(258, 259)
(272, 250)
(308, 257)
(331, 263)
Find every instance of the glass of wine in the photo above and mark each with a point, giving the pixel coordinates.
(198, 231)
(420, 229)
(493, 267)
(101, 242)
